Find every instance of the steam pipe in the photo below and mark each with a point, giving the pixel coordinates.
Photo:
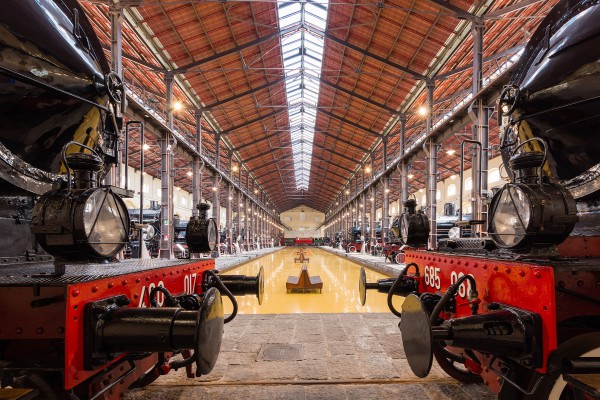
(462, 171)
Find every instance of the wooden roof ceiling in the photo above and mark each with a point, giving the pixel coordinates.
(227, 58)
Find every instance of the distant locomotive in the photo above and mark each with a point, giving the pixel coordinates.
(519, 309)
(75, 322)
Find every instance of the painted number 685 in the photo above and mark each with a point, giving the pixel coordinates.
(432, 277)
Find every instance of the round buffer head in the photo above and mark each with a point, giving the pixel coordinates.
(362, 287)
(416, 335)
(210, 331)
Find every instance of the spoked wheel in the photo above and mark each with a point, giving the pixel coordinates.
(553, 386)
(455, 369)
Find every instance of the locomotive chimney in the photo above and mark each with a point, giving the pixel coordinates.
(85, 168)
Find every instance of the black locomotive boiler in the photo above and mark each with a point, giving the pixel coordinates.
(518, 308)
(75, 322)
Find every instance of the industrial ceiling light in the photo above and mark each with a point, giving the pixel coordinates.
(531, 211)
(177, 106)
(189, 173)
(410, 176)
(368, 169)
(146, 146)
(450, 152)
(83, 221)
(422, 111)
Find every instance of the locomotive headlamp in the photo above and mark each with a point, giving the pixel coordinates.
(201, 231)
(83, 222)
(531, 212)
(413, 226)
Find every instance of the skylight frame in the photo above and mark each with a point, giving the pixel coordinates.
(302, 52)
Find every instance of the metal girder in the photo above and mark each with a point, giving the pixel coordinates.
(330, 172)
(382, 60)
(264, 153)
(443, 131)
(469, 66)
(345, 156)
(514, 7)
(139, 61)
(352, 94)
(246, 93)
(273, 171)
(272, 135)
(331, 115)
(248, 123)
(280, 181)
(329, 161)
(323, 183)
(458, 12)
(324, 133)
(279, 33)
(304, 198)
(271, 162)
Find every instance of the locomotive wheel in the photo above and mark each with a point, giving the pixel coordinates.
(455, 369)
(553, 386)
(352, 249)
(114, 87)
(509, 99)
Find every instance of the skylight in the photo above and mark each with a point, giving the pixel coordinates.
(302, 54)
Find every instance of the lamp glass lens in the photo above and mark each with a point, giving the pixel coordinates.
(103, 223)
(211, 234)
(512, 217)
(404, 228)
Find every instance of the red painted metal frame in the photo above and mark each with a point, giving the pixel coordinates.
(523, 285)
(307, 240)
(179, 279)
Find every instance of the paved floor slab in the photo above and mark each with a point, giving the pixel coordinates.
(336, 356)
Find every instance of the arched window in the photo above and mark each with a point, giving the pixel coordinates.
(494, 175)
(468, 184)
(423, 200)
(451, 190)
(438, 195)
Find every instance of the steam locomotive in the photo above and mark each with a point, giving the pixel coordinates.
(519, 307)
(75, 322)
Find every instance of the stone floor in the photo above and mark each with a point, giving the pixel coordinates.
(312, 356)
(376, 263)
(226, 262)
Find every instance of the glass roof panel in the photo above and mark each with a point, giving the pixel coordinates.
(302, 54)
